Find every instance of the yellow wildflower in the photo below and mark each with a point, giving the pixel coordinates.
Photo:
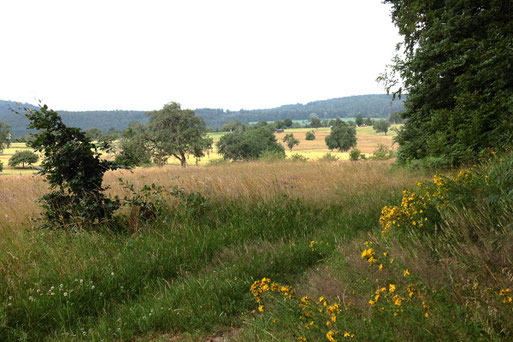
(391, 288)
(406, 272)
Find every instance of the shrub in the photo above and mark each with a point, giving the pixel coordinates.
(354, 154)
(74, 170)
(298, 157)
(1, 166)
(310, 135)
(272, 155)
(382, 152)
(249, 144)
(329, 157)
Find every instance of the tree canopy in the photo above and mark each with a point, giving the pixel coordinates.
(342, 136)
(176, 132)
(23, 157)
(381, 126)
(249, 144)
(458, 73)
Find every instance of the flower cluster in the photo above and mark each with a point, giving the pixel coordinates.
(506, 295)
(265, 285)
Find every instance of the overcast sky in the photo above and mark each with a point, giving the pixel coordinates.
(83, 55)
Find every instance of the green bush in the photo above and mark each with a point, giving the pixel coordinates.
(73, 168)
(1, 166)
(329, 157)
(354, 154)
(382, 152)
(310, 135)
(298, 157)
(272, 155)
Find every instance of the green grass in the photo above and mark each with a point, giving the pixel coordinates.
(187, 275)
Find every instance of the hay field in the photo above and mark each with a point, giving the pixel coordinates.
(315, 182)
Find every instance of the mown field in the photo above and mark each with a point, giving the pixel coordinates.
(368, 139)
(259, 251)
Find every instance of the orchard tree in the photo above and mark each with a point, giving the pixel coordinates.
(456, 65)
(381, 126)
(232, 126)
(359, 120)
(176, 132)
(5, 136)
(23, 157)
(249, 144)
(342, 136)
(290, 141)
(288, 122)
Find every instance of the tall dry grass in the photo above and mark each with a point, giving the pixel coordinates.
(315, 182)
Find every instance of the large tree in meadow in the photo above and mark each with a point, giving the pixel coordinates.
(176, 132)
(342, 136)
(457, 69)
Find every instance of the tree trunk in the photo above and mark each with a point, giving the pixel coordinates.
(183, 160)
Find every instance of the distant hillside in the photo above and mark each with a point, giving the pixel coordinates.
(367, 105)
(377, 106)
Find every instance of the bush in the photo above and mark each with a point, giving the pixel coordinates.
(74, 170)
(1, 166)
(272, 155)
(354, 154)
(329, 157)
(310, 135)
(382, 152)
(298, 157)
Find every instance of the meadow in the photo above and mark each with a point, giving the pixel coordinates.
(267, 251)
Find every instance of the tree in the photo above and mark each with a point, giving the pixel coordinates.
(310, 135)
(279, 124)
(458, 72)
(359, 120)
(290, 141)
(94, 133)
(133, 149)
(342, 136)
(5, 136)
(381, 126)
(176, 132)
(288, 122)
(368, 121)
(395, 118)
(248, 145)
(315, 122)
(22, 157)
(73, 168)
(232, 126)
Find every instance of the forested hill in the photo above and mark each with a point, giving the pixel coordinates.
(367, 105)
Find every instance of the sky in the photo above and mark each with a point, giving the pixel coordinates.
(231, 54)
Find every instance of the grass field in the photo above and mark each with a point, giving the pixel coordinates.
(199, 270)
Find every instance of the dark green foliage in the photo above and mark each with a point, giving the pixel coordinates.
(249, 144)
(288, 122)
(368, 121)
(458, 73)
(5, 136)
(176, 132)
(1, 166)
(381, 126)
(232, 126)
(290, 141)
(359, 120)
(133, 150)
(354, 155)
(342, 136)
(74, 170)
(23, 157)
(395, 118)
(94, 133)
(310, 135)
